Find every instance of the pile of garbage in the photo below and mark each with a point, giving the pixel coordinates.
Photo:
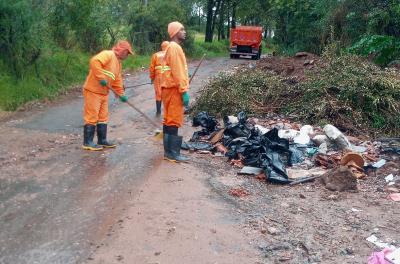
(288, 153)
(348, 92)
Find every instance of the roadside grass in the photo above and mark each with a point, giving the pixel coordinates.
(52, 74)
(212, 50)
(136, 62)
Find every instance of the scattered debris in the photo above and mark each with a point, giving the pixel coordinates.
(281, 151)
(337, 137)
(355, 163)
(377, 242)
(250, 171)
(379, 163)
(340, 179)
(238, 192)
(389, 178)
(391, 145)
(394, 197)
(394, 256)
(379, 257)
(295, 173)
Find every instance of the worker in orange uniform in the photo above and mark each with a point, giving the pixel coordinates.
(175, 85)
(105, 72)
(157, 61)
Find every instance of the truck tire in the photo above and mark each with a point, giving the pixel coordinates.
(233, 56)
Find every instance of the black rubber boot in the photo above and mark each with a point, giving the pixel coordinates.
(88, 135)
(167, 152)
(158, 107)
(102, 137)
(174, 149)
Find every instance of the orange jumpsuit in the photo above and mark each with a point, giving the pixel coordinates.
(157, 61)
(103, 66)
(175, 81)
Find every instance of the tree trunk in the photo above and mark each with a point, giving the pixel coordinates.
(199, 18)
(234, 14)
(218, 4)
(209, 33)
(221, 32)
(228, 29)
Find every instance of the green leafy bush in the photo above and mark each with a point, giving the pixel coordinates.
(384, 49)
(347, 91)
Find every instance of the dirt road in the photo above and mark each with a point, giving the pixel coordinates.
(58, 204)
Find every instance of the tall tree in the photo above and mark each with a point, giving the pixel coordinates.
(209, 22)
(221, 28)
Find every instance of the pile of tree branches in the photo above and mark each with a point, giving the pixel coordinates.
(348, 92)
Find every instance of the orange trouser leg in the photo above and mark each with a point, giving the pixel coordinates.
(173, 107)
(95, 108)
(157, 87)
(103, 112)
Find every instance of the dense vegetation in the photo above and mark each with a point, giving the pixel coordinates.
(348, 91)
(45, 45)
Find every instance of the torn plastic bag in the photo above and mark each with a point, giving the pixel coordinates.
(390, 145)
(206, 121)
(236, 146)
(274, 168)
(275, 148)
(233, 120)
(230, 120)
(242, 117)
(237, 130)
(247, 148)
(198, 135)
(251, 152)
(199, 145)
(272, 141)
(296, 155)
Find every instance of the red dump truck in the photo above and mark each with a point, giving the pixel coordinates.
(246, 41)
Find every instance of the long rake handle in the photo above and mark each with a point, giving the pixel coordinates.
(198, 66)
(139, 111)
(143, 114)
(137, 85)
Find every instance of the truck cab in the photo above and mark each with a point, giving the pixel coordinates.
(246, 41)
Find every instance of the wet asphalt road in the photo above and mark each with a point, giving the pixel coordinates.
(59, 203)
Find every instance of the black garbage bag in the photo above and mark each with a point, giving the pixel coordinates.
(236, 146)
(296, 155)
(242, 117)
(198, 135)
(239, 129)
(198, 145)
(206, 121)
(274, 168)
(251, 152)
(247, 147)
(274, 154)
(274, 142)
(390, 145)
(227, 122)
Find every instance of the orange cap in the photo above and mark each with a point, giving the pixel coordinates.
(174, 28)
(164, 45)
(121, 46)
